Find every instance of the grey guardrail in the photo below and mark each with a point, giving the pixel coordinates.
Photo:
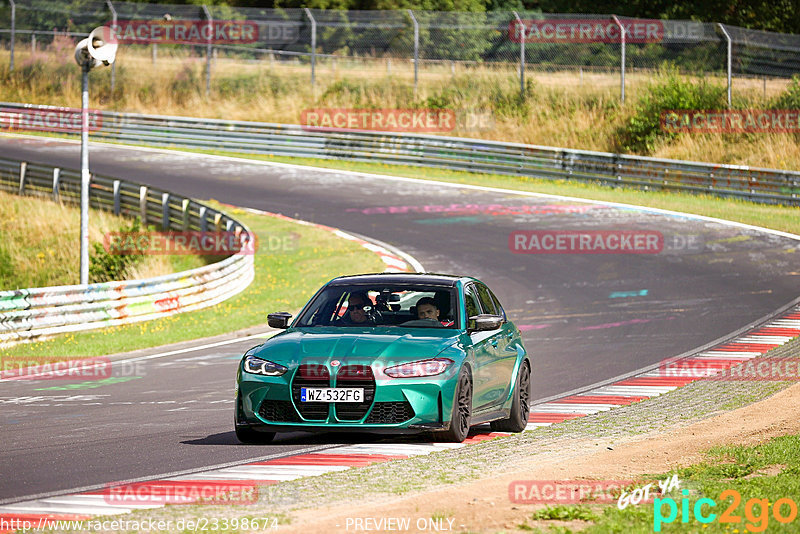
(29, 313)
(755, 184)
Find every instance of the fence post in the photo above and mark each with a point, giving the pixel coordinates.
(13, 32)
(416, 49)
(56, 183)
(521, 26)
(23, 169)
(154, 50)
(730, 50)
(210, 26)
(622, 62)
(203, 221)
(117, 199)
(185, 214)
(33, 43)
(165, 211)
(313, 46)
(113, 28)
(143, 205)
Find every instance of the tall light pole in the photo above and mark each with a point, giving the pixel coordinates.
(100, 48)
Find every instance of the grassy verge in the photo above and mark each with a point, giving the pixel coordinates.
(749, 483)
(39, 246)
(286, 276)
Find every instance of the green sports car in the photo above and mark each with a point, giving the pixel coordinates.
(390, 353)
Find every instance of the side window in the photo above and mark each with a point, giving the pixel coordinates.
(500, 310)
(487, 303)
(471, 301)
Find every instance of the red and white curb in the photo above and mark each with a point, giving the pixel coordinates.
(396, 261)
(188, 489)
(745, 347)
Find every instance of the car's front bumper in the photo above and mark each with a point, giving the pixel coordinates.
(372, 429)
(398, 406)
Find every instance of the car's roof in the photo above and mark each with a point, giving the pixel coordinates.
(448, 280)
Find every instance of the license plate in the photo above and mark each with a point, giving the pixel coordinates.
(331, 394)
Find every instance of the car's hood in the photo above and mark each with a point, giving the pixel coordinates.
(356, 345)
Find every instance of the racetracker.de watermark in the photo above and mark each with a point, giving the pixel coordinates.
(586, 31)
(178, 243)
(98, 368)
(63, 120)
(585, 242)
(731, 121)
(162, 31)
(718, 368)
(183, 492)
(395, 120)
(566, 491)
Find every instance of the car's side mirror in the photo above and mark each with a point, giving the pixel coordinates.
(279, 319)
(485, 321)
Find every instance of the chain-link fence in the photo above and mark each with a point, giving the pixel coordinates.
(408, 43)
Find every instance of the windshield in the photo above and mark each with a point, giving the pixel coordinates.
(411, 306)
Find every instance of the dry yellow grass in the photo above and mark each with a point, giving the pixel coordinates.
(772, 151)
(40, 246)
(571, 109)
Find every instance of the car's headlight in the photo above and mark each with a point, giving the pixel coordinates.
(257, 366)
(432, 367)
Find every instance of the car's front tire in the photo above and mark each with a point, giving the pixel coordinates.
(520, 406)
(461, 414)
(244, 432)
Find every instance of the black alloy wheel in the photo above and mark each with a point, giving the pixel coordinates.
(520, 406)
(460, 420)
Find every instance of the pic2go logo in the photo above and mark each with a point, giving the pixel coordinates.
(757, 522)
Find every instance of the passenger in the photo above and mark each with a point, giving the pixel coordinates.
(427, 309)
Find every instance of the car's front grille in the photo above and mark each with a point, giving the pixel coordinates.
(315, 376)
(278, 411)
(388, 413)
(355, 376)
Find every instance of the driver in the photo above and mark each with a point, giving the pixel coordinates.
(355, 309)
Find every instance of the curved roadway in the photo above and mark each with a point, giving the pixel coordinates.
(585, 317)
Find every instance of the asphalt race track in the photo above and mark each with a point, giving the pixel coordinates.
(585, 317)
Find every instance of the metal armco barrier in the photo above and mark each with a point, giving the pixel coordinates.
(29, 313)
(473, 155)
